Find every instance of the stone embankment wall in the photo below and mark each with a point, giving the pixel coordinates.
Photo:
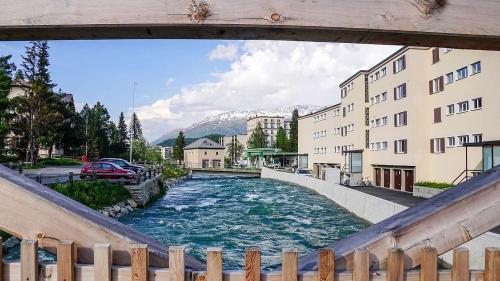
(426, 192)
(374, 209)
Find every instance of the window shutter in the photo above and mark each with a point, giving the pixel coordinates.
(405, 114)
(394, 67)
(441, 83)
(395, 120)
(404, 90)
(395, 147)
(437, 115)
(404, 62)
(405, 146)
(430, 87)
(432, 145)
(442, 145)
(395, 93)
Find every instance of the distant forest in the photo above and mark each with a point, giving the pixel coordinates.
(171, 142)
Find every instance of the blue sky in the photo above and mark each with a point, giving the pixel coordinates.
(180, 82)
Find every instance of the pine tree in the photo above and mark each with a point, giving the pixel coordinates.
(293, 142)
(257, 139)
(135, 127)
(178, 150)
(123, 136)
(281, 139)
(6, 69)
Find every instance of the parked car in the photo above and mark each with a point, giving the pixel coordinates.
(124, 164)
(302, 172)
(106, 170)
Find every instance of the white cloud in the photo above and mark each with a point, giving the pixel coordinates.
(169, 81)
(267, 74)
(224, 52)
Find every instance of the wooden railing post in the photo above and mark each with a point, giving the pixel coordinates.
(102, 262)
(326, 266)
(460, 270)
(492, 264)
(1, 259)
(290, 265)
(252, 264)
(361, 265)
(71, 177)
(395, 265)
(139, 262)
(428, 257)
(66, 261)
(29, 260)
(214, 264)
(176, 264)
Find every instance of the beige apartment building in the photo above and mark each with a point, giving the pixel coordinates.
(226, 141)
(270, 125)
(410, 118)
(204, 153)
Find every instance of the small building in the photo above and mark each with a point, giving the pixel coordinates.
(166, 152)
(204, 153)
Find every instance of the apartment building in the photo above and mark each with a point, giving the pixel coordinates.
(409, 117)
(225, 141)
(270, 125)
(204, 153)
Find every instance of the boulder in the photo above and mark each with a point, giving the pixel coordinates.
(124, 211)
(132, 203)
(130, 208)
(116, 208)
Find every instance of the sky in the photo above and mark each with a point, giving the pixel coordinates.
(180, 82)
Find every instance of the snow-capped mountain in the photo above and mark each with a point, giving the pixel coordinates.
(234, 122)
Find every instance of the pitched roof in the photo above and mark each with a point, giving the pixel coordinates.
(204, 143)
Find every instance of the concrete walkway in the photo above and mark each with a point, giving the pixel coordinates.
(55, 170)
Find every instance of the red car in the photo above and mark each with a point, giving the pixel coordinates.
(106, 170)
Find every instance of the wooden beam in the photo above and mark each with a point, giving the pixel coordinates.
(28, 209)
(361, 265)
(289, 265)
(396, 265)
(66, 261)
(326, 265)
(428, 264)
(176, 263)
(460, 270)
(140, 264)
(29, 260)
(102, 262)
(492, 264)
(214, 264)
(1, 259)
(252, 264)
(444, 221)
(399, 22)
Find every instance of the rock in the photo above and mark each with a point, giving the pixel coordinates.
(106, 213)
(124, 211)
(132, 203)
(11, 242)
(130, 208)
(112, 214)
(116, 208)
(121, 204)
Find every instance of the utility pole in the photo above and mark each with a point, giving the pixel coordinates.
(132, 122)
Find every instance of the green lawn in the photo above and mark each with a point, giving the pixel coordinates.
(431, 184)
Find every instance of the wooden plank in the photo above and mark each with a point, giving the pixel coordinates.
(66, 261)
(444, 221)
(102, 262)
(460, 270)
(1, 259)
(140, 264)
(29, 260)
(176, 263)
(290, 265)
(428, 264)
(252, 264)
(492, 264)
(394, 22)
(86, 227)
(361, 265)
(395, 265)
(326, 265)
(214, 264)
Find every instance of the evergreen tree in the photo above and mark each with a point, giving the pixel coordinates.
(178, 150)
(98, 131)
(257, 139)
(293, 142)
(135, 127)
(122, 137)
(235, 150)
(281, 139)
(6, 69)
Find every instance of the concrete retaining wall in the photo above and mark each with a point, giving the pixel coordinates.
(143, 192)
(374, 210)
(426, 192)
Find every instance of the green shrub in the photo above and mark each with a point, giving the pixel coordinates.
(60, 162)
(431, 184)
(173, 172)
(94, 194)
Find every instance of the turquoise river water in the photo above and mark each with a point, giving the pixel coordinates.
(235, 213)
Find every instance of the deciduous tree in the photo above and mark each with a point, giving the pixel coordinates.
(281, 139)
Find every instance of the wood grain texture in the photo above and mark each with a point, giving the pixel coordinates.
(176, 263)
(252, 264)
(214, 264)
(428, 264)
(29, 260)
(140, 263)
(454, 214)
(76, 222)
(460, 269)
(1, 259)
(396, 265)
(492, 264)
(66, 261)
(395, 22)
(102, 262)
(289, 267)
(326, 265)
(361, 265)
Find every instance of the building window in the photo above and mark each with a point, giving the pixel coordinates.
(400, 92)
(451, 141)
(463, 140)
(384, 121)
(205, 153)
(384, 145)
(371, 78)
(451, 109)
(400, 119)
(476, 67)
(371, 100)
(436, 85)
(216, 153)
(437, 145)
(400, 146)
(477, 138)
(435, 55)
(383, 72)
(377, 122)
(477, 103)
(449, 78)
(377, 98)
(377, 75)
(384, 96)
(463, 106)
(462, 73)
(399, 64)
